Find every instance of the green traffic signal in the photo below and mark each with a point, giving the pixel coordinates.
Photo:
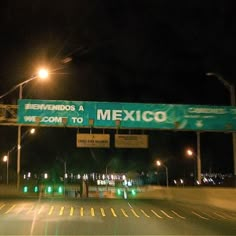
(49, 189)
(133, 192)
(25, 189)
(118, 191)
(36, 189)
(60, 189)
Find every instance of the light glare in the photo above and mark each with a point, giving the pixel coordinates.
(43, 73)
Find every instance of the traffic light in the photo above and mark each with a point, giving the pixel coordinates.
(36, 189)
(25, 189)
(49, 189)
(119, 191)
(60, 189)
(133, 192)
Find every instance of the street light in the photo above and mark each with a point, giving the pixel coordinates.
(42, 74)
(231, 89)
(159, 163)
(190, 153)
(6, 159)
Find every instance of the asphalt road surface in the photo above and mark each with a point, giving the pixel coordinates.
(112, 217)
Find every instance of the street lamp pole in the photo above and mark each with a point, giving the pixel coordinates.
(159, 163)
(6, 159)
(41, 74)
(231, 89)
(19, 144)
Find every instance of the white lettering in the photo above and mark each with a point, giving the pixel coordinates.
(103, 116)
(77, 120)
(49, 107)
(207, 110)
(129, 115)
(160, 116)
(52, 119)
(30, 118)
(117, 115)
(138, 115)
(81, 108)
(147, 116)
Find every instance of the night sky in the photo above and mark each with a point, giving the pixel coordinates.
(142, 51)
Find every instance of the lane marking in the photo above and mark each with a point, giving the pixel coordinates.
(102, 212)
(11, 208)
(71, 211)
(156, 214)
(51, 210)
(61, 211)
(145, 213)
(81, 211)
(170, 217)
(92, 211)
(124, 213)
(113, 212)
(200, 216)
(182, 217)
(135, 214)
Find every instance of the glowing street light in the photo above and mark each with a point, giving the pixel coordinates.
(159, 163)
(6, 159)
(43, 73)
(190, 153)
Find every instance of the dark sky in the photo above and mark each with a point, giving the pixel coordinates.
(131, 51)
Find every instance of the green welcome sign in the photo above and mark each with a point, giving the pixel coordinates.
(126, 115)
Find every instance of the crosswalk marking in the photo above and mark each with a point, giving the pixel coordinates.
(30, 209)
(145, 213)
(182, 217)
(124, 213)
(40, 209)
(135, 214)
(200, 216)
(51, 210)
(210, 216)
(81, 211)
(170, 217)
(102, 212)
(113, 212)
(71, 211)
(227, 216)
(219, 215)
(156, 214)
(18, 209)
(11, 208)
(2, 206)
(61, 211)
(92, 211)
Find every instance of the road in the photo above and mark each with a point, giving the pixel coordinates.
(112, 217)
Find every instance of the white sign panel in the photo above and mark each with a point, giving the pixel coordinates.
(131, 141)
(93, 140)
